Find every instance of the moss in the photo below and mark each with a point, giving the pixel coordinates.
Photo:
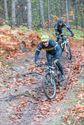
(78, 34)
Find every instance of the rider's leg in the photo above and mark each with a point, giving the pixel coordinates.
(60, 66)
(63, 39)
(57, 56)
(58, 52)
(60, 69)
(57, 38)
(49, 59)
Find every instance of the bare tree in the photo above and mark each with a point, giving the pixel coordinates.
(42, 12)
(58, 8)
(29, 14)
(13, 12)
(81, 9)
(20, 12)
(48, 13)
(76, 12)
(6, 9)
(67, 11)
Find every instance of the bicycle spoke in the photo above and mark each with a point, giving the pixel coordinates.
(49, 86)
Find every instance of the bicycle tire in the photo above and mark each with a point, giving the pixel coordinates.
(69, 53)
(51, 84)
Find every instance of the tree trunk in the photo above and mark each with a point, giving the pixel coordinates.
(76, 12)
(60, 3)
(42, 12)
(48, 13)
(81, 15)
(67, 11)
(29, 14)
(6, 9)
(13, 12)
(58, 8)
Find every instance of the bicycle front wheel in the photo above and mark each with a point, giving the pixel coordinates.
(69, 54)
(49, 86)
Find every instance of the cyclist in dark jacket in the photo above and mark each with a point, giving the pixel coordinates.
(59, 25)
(53, 50)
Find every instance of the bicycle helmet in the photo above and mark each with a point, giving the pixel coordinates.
(60, 20)
(44, 38)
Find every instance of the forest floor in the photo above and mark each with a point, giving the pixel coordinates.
(22, 100)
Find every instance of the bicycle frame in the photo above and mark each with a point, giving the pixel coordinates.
(64, 44)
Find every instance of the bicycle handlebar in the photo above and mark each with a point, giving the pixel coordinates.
(46, 66)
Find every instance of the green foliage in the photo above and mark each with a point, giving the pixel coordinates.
(57, 7)
(23, 29)
(78, 34)
(5, 26)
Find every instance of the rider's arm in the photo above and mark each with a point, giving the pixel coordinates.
(39, 47)
(55, 26)
(72, 34)
(56, 29)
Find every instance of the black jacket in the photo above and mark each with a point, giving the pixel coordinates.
(52, 48)
(59, 29)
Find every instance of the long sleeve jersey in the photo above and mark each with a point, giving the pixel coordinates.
(50, 49)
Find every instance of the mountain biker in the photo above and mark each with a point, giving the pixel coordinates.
(52, 49)
(59, 25)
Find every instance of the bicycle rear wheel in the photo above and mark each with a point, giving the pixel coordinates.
(49, 86)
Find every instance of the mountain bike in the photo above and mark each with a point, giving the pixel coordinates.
(51, 79)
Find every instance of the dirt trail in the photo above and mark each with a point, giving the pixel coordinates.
(22, 101)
